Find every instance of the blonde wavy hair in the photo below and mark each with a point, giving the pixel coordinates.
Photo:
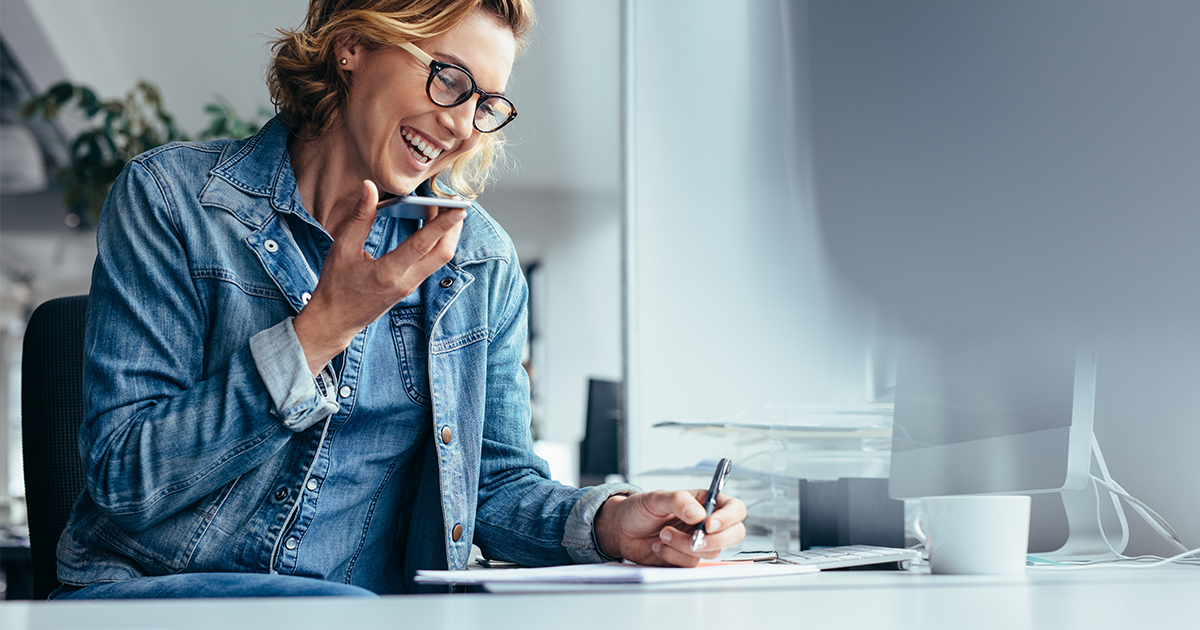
(309, 90)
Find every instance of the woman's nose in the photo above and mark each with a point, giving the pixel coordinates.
(460, 119)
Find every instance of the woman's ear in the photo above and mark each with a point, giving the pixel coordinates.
(347, 50)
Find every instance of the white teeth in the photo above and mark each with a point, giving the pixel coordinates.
(428, 150)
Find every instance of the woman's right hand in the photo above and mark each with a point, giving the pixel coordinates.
(355, 288)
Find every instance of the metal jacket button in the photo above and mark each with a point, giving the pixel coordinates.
(344, 392)
(457, 533)
(291, 543)
(305, 297)
(446, 435)
(271, 246)
(446, 282)
(281, 494)
(311, 485)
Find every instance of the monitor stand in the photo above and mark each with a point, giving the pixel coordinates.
(1087, 517)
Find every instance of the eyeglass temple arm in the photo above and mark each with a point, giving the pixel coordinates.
(418, 53)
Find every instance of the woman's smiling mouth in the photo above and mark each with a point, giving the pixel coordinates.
(423, 151)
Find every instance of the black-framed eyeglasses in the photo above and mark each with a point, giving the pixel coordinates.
(450, 86)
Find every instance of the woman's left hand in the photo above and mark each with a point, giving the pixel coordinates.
(655, 527)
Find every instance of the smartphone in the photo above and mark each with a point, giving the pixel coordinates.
(413, 207)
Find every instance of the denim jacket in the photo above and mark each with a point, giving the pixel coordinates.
(199, 404)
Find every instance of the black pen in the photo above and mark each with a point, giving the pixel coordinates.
(710, 502)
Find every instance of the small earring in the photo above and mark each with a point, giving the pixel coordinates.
(344, 61)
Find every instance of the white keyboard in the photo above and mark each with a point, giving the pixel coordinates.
(850, 556)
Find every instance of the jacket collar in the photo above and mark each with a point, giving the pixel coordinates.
(260, 168)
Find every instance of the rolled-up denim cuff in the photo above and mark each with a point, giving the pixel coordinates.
(300, 399)
(578, 532)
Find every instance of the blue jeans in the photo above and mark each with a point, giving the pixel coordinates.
(207, 585)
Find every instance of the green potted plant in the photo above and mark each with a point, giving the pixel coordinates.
(118, 130)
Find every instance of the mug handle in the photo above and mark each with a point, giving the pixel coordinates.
(918, 515)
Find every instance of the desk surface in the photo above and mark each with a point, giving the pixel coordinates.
(1101, 598)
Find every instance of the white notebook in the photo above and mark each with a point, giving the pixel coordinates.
(611, 573)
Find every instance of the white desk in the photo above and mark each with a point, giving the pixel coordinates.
(1103, 598)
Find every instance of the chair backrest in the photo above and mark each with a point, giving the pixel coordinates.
(599, 453)
(51, 412)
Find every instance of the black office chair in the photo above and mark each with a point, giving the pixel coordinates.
(51, 411)
(599, 451)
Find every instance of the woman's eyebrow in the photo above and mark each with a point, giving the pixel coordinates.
(454, 60)
(451, 58)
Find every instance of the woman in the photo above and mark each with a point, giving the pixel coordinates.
(288, 395)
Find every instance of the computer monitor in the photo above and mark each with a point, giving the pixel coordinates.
(999, 415)
(1011, 170)
(986, 416)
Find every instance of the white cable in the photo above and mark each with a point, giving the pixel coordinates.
(1175, 558)
(1126, 562)
(1100, 522)
(1155, 521)
(1139, 504)
(1113, 486)
(1115, 501)
(1158, 523)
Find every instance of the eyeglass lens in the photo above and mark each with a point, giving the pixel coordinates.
(450, 86)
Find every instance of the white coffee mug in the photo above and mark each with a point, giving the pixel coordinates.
(977, 535)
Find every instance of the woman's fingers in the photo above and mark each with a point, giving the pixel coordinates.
(714, 542)
(682, 542)
(729, 511)
(722, 528)
(429, 248)
(673, 556)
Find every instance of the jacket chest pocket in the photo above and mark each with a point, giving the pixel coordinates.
(412, 349)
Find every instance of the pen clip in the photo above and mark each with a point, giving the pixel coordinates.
(724, 474)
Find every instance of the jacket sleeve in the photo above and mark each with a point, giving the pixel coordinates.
(159, 433)
(523, 516)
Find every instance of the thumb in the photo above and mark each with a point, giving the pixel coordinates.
(363, 218)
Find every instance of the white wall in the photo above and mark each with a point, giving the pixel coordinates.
(561, 205)
(575, 238)
(735, 305)
(566, 89)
